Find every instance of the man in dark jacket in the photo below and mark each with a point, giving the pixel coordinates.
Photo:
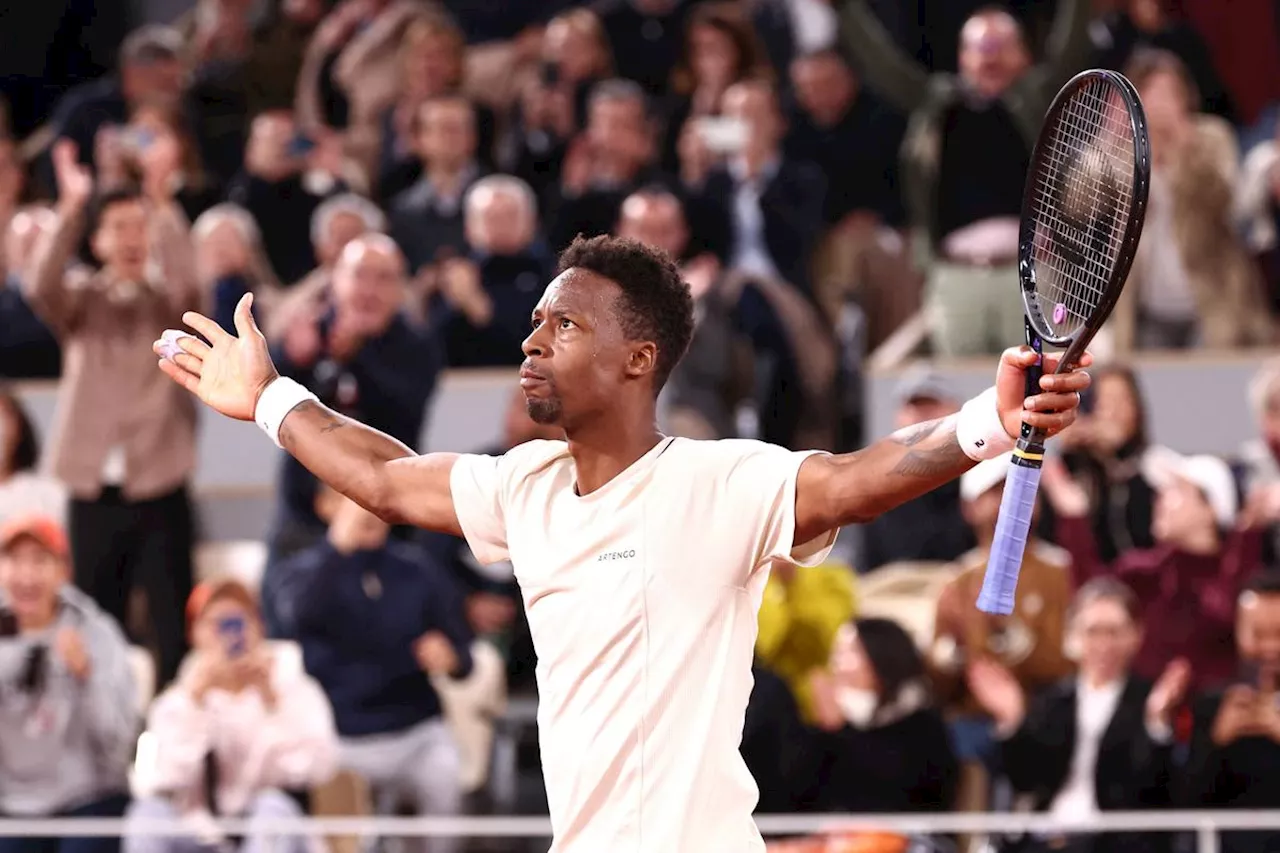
(378, 621)
(354, 357)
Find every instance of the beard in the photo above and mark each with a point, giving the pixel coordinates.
(544, 411)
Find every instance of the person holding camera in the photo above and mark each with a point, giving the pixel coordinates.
(241, 727)
(68, 707)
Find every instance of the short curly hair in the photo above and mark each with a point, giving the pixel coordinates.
(656, 303)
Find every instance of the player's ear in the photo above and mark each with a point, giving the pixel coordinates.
(644, 359)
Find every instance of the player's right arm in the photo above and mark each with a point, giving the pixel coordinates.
(229, 374)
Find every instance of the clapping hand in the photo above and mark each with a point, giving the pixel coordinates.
(69, 646)
(75, 181)
(228, 373)
(435, 654)
(998, 692)
(1168, 693)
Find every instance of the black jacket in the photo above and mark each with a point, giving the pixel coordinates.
(1132, 771)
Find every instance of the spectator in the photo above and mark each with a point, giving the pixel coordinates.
(854, 139)
(646, 37)
(433, 61)
(68, 708)
(553, 107)
(610, 159)
(353, 356)
(427, 217)
(882, 745)
(931, 527)
(850, 135)
(1105, 450)
(241, 727)
(246, 59)
(124, 440)
(1257, 211)
(376, 621)
(1028, 643)
(1187, 582)
(1098, 742)
(22, 488)
(155, 141)
(776, 205)
(702, 396)
(1193, 284)
(967, 156)
(287, 175)
(1235, 740)
(231, 261)
(1145, 24)
(1260, 457)
(27, 348)
(720, 49)
(151, 72)
(488, 298)
(336, 222)
(352, 72)
(772, 735)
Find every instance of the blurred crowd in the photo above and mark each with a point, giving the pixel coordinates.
(392, 181)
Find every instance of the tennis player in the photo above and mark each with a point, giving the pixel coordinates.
(641, 558)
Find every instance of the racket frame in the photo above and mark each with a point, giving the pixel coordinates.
(1029, 451)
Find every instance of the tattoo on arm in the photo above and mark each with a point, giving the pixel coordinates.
(935, 451)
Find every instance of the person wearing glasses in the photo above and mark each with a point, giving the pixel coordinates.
(68, 707)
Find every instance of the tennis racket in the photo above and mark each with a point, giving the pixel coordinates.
(1082, 214)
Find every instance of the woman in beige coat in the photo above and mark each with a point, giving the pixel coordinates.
(1192, 282)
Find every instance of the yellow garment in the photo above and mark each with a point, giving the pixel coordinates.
(798, 621)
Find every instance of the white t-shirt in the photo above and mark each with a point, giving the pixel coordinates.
(642, 599)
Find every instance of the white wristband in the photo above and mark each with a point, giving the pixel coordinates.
(979, 430)
(278, 399)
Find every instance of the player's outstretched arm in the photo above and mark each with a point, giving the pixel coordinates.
(833, 491)
(230, 374)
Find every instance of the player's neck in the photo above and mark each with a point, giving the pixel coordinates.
(606, 449)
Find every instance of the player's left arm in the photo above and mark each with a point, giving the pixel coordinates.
(833, 491)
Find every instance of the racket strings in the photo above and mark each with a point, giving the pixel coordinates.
(1083, 193)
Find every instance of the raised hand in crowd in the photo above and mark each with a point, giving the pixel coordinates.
(696, 157)
(460, 285)
(1261, 507)
(1064, 493)
(303, 343)
(1248, 711)
(75, 181)
(998, 692)
(1167, 694)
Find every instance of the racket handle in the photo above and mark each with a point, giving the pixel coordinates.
(1014, 524)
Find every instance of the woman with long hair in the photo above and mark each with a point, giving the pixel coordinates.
(720, 48)
(1105, 449)
(881, 745)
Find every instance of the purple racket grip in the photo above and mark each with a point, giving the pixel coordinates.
(1016, 507)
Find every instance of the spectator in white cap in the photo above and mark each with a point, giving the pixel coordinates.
(1027, 644)
(929, 528)
(1189, 580)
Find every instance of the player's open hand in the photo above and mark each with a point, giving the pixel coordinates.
(1058, 404)
(228, 373)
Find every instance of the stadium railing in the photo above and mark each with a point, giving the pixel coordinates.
(1204, 824)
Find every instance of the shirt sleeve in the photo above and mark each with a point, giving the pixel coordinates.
(476, 484)
(769, 473)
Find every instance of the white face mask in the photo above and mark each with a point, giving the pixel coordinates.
(857, 705)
